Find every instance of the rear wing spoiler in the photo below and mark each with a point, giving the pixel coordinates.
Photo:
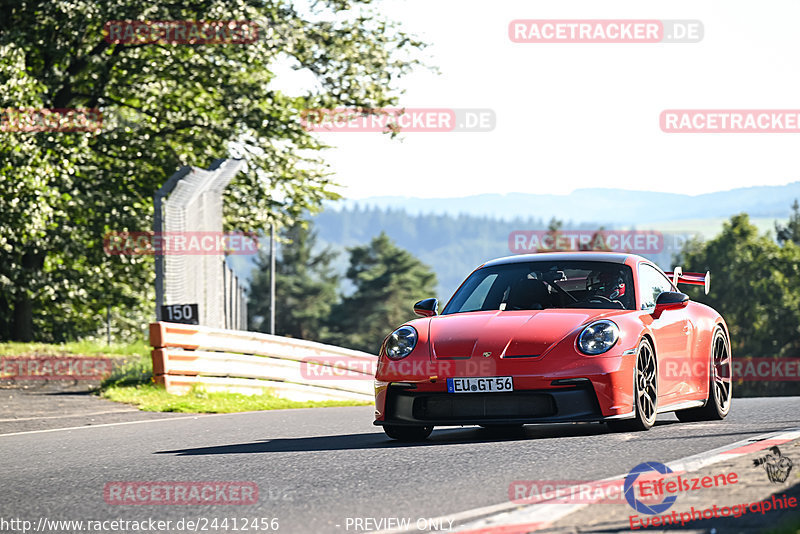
(695, 279)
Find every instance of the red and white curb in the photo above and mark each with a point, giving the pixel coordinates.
(514, 518)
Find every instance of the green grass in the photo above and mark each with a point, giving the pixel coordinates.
(133, 382)
(152, 398)
(82, 348)
(133, 373)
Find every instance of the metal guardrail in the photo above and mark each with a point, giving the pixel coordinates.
(250, 362)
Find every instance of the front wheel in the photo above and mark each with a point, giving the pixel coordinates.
(645, 393)
(720, 388)
(408, 433)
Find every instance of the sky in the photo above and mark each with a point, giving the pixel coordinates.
(577, 115)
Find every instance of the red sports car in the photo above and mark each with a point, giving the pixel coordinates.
(557, 337)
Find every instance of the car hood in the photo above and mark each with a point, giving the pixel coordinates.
(504, 334)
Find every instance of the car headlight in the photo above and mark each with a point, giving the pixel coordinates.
(401, 342)
(598, 337)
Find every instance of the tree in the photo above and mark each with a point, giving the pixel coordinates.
(387, 280)
(553, 230)
(754, 287)
(305, 287)
(164, 106)
(790, 232)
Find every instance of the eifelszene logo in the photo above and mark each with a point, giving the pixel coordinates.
(630, 483)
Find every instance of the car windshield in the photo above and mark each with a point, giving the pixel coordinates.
(542, 285)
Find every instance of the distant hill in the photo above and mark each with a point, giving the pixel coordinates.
(602, 206)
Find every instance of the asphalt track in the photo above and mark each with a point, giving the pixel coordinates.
(315, 468)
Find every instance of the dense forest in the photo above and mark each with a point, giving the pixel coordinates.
(451, 245)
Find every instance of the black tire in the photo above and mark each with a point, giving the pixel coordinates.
(408, 433)
(645, 391)
(720, 387)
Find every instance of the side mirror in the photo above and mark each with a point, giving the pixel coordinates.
(670, 300)
(427, 307)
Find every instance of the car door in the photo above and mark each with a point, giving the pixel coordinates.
(672, 332)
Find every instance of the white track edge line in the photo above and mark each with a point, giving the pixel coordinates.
(193, 416)
(188, 416)
(65, 416)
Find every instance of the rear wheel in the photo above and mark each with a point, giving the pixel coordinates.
(408, 433)
(720, 388)
(645, 393)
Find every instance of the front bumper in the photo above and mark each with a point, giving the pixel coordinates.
(563, 389)
(404, 405)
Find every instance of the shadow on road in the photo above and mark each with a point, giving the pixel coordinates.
(378, 440)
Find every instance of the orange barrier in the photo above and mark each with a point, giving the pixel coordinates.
(250, 362)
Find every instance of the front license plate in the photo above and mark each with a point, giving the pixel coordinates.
(495, 384)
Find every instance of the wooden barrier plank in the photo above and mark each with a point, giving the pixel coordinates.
(159, 357)
(243, 361)
(221, 364)
(156, 335)
(181, 385)
(200, 337)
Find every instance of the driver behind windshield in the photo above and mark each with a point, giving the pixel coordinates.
(608, 285)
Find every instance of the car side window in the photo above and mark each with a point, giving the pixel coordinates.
(652, 283)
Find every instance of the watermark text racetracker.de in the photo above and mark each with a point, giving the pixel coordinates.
(54, 368)
(399, 120)
(740, 369)
(50, 120)
(635, 241)
(180, 243)
(142, 32)
(342, 368)
(730, 121)
(605, 31)
(180, 493)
